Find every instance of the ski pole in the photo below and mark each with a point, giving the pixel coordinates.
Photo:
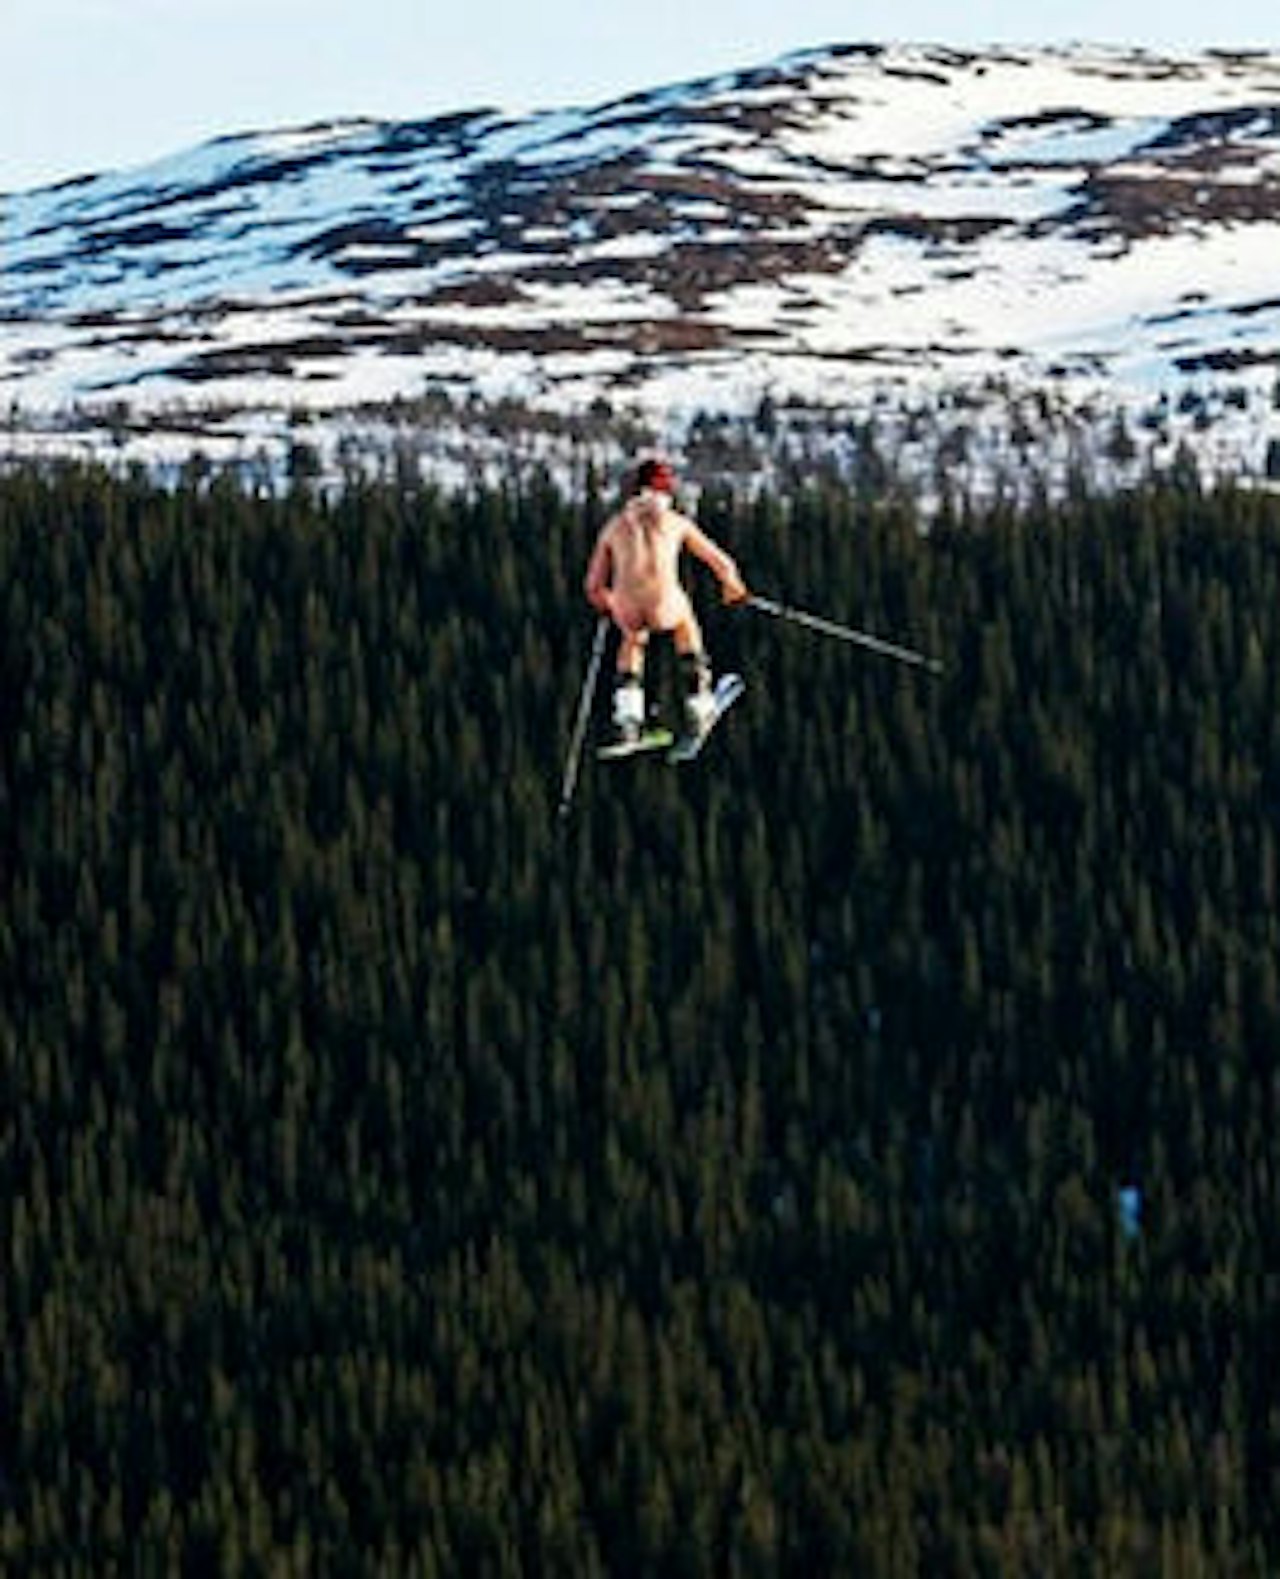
(570, 780)
(826, 627)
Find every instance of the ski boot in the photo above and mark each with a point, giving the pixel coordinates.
(626, 730)
(699, 701)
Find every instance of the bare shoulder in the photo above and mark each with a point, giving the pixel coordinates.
(690, 532)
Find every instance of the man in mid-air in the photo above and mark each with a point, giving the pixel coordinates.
(634, 577)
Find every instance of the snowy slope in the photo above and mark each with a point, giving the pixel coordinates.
(844, 227)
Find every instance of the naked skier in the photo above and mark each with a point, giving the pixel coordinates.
(634, 577)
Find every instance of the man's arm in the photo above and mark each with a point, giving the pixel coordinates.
(722, 565)
(599, 570)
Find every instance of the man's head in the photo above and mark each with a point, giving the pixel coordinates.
(657, 474)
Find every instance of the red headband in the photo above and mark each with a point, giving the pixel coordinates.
(657, 474)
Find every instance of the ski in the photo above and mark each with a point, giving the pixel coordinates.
(653, 739)
(728, 688)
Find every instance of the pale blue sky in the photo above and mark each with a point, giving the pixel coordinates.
(92, 84)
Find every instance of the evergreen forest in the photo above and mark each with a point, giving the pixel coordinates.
(853, 1153)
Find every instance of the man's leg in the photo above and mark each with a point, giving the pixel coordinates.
(695, 668)
(628, 688)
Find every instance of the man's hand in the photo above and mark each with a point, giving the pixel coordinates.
(734, 591)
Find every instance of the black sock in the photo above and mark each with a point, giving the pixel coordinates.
(696, 669)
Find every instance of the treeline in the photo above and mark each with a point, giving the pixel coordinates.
(728, 1181)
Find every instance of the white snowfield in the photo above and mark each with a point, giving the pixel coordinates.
(843, 227)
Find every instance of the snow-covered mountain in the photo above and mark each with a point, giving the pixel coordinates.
(854, 229)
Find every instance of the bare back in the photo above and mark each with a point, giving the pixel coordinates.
(634, 573)
(638, 557)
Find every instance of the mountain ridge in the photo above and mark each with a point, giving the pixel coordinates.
(845, 226)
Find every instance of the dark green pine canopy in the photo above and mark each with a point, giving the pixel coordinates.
(394, 1181)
